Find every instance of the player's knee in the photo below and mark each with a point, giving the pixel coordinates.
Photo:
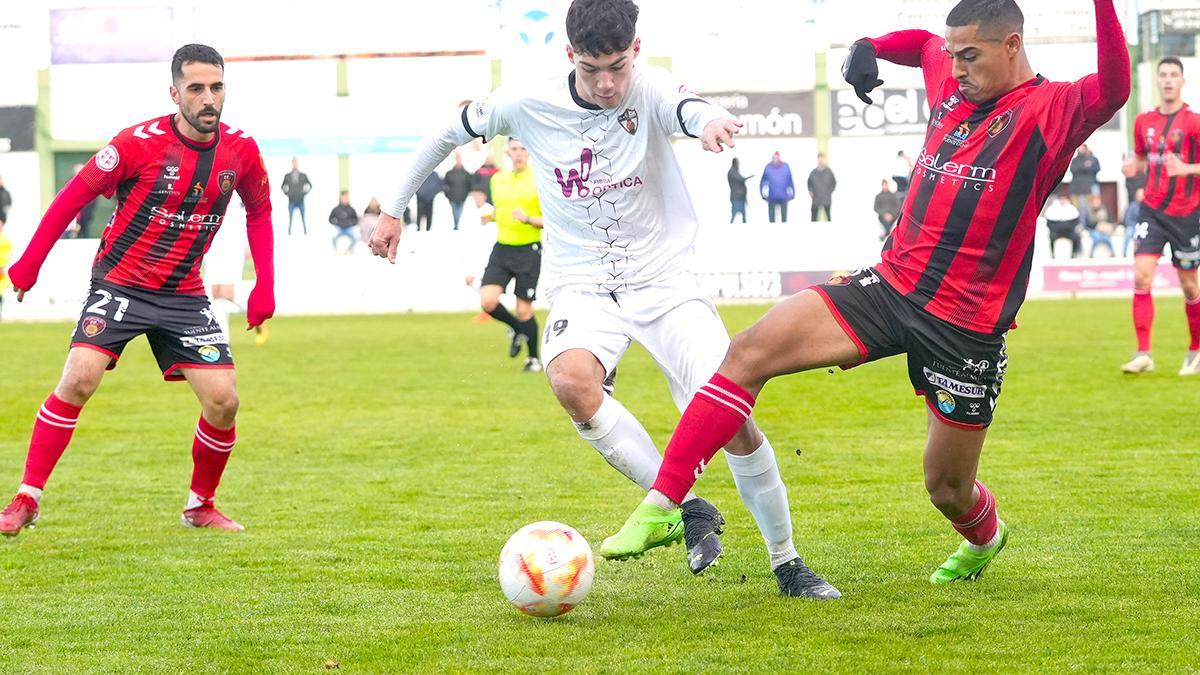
(578, 394)
(746, 355)
(489, 304)
(77, 386)
(949, 498)
(222, 408)
(1142, 278)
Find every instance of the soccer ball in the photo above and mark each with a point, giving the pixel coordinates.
(546, 568)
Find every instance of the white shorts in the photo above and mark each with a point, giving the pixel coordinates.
(682, 332)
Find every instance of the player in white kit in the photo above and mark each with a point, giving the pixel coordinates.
(618, 232)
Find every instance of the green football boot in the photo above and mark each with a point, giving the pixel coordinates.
(648, 526)
(967, 564)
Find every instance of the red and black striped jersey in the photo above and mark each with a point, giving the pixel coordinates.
(172, 193)
(1154, 136)
(962, 248)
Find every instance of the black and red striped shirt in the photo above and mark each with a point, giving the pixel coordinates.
(963, 245)
(172, 193)
(1156, 135)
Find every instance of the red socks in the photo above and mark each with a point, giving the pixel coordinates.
(1192, 307)
(979, 525)
(52, 432)
(210, 454)
(1143, 317)
(710, 421)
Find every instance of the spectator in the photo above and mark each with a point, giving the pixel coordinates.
(5, 253)
(366, 223)
(431, 188)
(1134, 183)
(5, 201)
(737, 190)
(483, 177)
(1084, 168)
(296, 186)
(777, 188)
(1100, 225)
(1062, 219)
(345, 219)
(1133, 216)
(887, 207)
(458, 186)
(902, 171)
(821, 184)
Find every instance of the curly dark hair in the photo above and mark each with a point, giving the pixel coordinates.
(194, 53)
(599, 27)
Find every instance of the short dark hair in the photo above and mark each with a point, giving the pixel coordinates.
(1170, 60)
(194, 53)
(600, 27)
(992, 16)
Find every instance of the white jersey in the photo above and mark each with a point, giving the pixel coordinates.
(615, 209)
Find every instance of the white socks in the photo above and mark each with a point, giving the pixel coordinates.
(36, 493)
(193, 500)
(623, 443)
(761, 488)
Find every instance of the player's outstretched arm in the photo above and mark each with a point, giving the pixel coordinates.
(914, 48)
(386, 237)
(681, 111)
(66, 205)
(1107, 90)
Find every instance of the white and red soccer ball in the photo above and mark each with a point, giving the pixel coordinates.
(546, 568)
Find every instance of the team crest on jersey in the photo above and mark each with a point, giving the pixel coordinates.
(226, 179)
(93, 326)
(107, 159)
(629, 120)
(999, 123)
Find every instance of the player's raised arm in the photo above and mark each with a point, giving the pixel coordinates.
(66, 205)
(1107, 90)
(480, 119)
(914, 48)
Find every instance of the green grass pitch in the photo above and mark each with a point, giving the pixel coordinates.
(383, 461)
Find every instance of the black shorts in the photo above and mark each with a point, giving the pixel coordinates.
(1156, 229)
(523, 263)
(959, 372)
(181, 329)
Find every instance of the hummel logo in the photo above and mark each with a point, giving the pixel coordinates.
(699, 469)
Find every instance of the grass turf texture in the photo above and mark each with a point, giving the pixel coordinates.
(383, 461)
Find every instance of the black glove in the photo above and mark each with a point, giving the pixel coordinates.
(860, 69)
